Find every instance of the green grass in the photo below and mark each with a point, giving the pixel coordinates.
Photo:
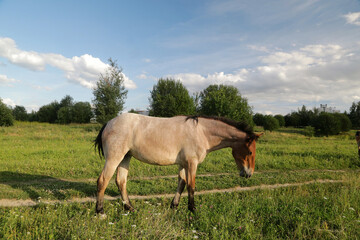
(58, 162)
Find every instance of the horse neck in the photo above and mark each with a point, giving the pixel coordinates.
(221, 135)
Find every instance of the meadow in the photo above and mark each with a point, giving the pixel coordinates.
(303, 188)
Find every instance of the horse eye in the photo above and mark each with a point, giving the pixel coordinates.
(250, 153)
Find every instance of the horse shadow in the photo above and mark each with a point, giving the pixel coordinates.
(36, 186)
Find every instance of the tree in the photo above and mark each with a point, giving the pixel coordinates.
(109, 93)
(259, 119)
(354, 114)
(19, 113)
(170, 98)
(6, 117)
(345, 123)
(48, 113)
(271, 123)
(327, 124)
(292, 120)
(225, 101)
(281, 120)
(81, 112)
(64, 115)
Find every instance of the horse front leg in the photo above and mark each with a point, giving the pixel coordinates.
(180, 188)
(121, 179)
(190, 176)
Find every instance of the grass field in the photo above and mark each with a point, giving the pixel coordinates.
(56, 164)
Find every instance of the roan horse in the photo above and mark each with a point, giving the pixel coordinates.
(181, 140)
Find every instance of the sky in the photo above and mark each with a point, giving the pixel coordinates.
(280, 54)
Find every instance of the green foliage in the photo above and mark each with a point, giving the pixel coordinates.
(6, 117)
(327, 124)
(19, 113)
(170, 98)
(345, 123)
(271, 123)
(309, 131)
(225, 101)
(81, 112)
(64, 115)
(48, 113)
(259, 119)
(354, 114)
(292, 120)
(109, 94)
(281, 120)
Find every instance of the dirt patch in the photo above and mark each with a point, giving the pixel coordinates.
(19, 203)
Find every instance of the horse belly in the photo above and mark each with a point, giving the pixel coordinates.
(154, 157)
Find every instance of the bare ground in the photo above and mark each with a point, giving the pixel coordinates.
(19, 203)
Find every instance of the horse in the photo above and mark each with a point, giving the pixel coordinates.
(357, 137)
(181, 140)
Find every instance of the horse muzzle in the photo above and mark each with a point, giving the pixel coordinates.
(245, 172)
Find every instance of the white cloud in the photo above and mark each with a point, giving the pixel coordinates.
(84, 70)
(313, 73)
(9, 102)
(353, 18)
(196, 82)
(5, 80)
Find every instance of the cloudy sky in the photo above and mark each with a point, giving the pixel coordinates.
(279, 54)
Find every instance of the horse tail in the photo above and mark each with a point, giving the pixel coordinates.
(98, 142)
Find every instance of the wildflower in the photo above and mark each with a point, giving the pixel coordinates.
(133, 226)
(159, 204)
(214, 228)
(194, 231)
(325, 198)
(196, 237)
(28, 233)
(111, 223)
(352, 209)
(240, 228)
(190, 218)
(125, 214)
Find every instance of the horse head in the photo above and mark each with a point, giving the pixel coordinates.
(244, 155)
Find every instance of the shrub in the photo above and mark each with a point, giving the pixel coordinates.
(259, 119)
(309, 131)
(344, 122)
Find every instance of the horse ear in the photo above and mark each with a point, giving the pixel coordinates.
(257, 136)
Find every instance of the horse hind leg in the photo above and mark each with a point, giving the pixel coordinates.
(121, 179)
(180, 188)
(108, 171)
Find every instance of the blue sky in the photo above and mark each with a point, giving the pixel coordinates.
(279, 54)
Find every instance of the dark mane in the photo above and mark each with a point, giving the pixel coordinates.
(242, 126)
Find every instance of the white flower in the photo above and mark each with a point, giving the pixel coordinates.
(196, 237)
(325, 198)
(133, 226)
(352, 209)
(194, 231)
(111, 223)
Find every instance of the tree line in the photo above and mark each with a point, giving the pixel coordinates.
(169, 97)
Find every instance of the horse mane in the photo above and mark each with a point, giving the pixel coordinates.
(242, 126)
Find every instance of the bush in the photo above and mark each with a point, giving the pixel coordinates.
(271, 123)
(6, 117)
(309, 131)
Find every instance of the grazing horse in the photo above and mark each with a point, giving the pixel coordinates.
(181, 140)
(357, 137)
